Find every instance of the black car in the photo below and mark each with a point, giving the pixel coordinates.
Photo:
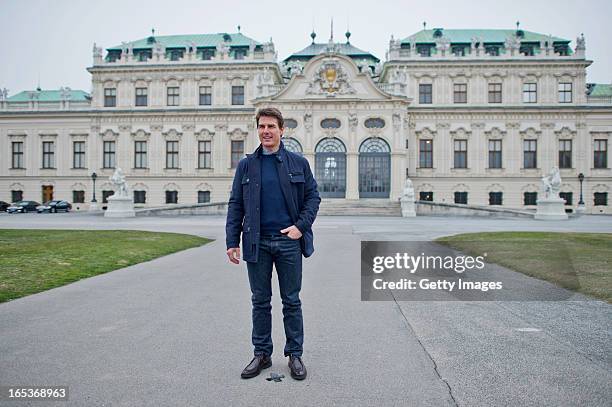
(3, 206)
(54, 206)
(23, 206)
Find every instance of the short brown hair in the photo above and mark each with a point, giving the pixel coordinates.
(271, 112)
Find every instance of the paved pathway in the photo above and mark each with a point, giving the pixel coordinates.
(176, 330)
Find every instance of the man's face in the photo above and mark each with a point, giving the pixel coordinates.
(269, 133)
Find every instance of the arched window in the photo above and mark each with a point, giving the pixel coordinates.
(292, 145)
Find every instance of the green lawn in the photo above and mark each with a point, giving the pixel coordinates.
(32, 261)
(577, 261)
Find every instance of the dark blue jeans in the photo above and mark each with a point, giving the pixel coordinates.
(286, 255)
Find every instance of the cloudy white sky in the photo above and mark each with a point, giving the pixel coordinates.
(51, 40)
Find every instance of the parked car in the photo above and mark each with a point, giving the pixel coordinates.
(54, 206)
(3, 206)
(23, 207)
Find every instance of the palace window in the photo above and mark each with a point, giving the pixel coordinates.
(330, 124)
(426, 153)
(176, 54)
(600, 154)
(426, 196)
(492, 50)
(237, 152)
(567, 196)
(204, 154)
(106, 194)
(108, 159)
(207, 54)
(172, 154)
(141, 96)
(240, 53)
(565, 93)
(205, 96)
(495, 92)
(460, 93)
(110, 97)
(600, 198)
(140, 154)
(48, 158)
(424, 50)
(16, 196)
(530, 154)
(425, 93)
(140, 197)
(237, 95)
(78, 196)
(495, 153)
(530, 92)
(291, 123)
(171, 197)
(461, 197)
(17, 156)
(526, 50)
(460, 154)
(203, 196)
(374, 123)
(173, 96)
(78, 154)
(565, 153)
(530, 198)
(458, 50)
(496, 198)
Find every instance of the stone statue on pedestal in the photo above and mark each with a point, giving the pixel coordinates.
(407, 200)
(551, 206)
(120, 205)
(551, 183)
(118, 179)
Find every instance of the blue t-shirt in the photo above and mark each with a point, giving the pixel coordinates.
(274, 212)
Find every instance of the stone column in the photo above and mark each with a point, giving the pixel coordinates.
(221, 150)
(352, 175)
(442, 149)
(512, 149)
(188, 150)
(477, 148)
(352, 159)
(156, 150)
(549, 148)
(123, 149)
(413, 147)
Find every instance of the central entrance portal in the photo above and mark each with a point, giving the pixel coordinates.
(330, 168)
(374, 168)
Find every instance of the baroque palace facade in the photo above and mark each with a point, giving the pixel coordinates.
(470, 116)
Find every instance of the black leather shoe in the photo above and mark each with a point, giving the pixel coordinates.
(256, 365)
(297, 368)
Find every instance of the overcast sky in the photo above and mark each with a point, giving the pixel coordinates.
(51, 40)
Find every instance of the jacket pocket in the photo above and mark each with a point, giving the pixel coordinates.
(296, 177)
(245, 187)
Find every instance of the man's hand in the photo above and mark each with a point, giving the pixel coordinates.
(234, 254)
(293, 232)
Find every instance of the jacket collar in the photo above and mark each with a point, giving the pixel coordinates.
(259, 151)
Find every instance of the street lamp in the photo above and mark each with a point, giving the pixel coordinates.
(93, 178)
(581, 179)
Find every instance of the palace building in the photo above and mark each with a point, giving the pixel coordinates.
(472, 117)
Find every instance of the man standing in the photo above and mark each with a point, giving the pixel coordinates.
(274, 202)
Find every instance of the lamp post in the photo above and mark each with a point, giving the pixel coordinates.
(94, 204)
(580, 208)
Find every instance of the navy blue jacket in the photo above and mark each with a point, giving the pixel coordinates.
(299, 191)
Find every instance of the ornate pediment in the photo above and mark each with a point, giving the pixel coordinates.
(330, 79)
